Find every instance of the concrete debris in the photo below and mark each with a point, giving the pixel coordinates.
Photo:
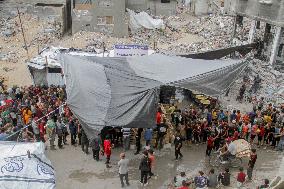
(260, 80)
(218, 32)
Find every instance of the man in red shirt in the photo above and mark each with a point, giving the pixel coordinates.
(42, 130)
(210, 144)
(159, 117)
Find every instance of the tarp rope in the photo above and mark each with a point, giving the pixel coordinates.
(35, 121)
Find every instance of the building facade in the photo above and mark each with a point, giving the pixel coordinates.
(110, 16)
(270, 14)
(106, 16)
(155, 7)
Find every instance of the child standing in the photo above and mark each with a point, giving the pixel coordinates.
(241, 178)
(152, 162)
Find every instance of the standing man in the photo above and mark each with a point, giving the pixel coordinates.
(253, 157)
(138, 140)
(123, 169)
(84, 141)
(148, 136)
(79, 131)
(178, 145)
(144, 167)
(126, 138)
(50, 127)
(162, 131)
(59, 132)
(35, 129)
(96, 146)
(64, 132)
(73, 132)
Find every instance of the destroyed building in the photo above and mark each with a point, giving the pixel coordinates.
(110, 16)
(265, 15)
(155, 7)
(106, 16)
(57, 13)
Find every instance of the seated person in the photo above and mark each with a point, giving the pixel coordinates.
(179, 179)
(230, 151)
(185, 185)
(224, 177)
(200, 181)
(265, 185)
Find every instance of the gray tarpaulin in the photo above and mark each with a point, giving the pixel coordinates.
(123, 91)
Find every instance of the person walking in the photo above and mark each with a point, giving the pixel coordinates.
(178, 145)
(126, 138)
(123, 169)
(144, 167)
(96, 147)
(107, 150)
(84, 142)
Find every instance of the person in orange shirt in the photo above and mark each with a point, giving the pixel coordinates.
(27, 114)
(245, 130)
(246, 118)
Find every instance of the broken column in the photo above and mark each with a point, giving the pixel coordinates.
(252, 31)
(275, 44)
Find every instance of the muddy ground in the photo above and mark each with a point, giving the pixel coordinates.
(74, 169)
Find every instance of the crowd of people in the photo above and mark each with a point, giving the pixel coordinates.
(38, 113)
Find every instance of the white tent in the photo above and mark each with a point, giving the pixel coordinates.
(20, 169)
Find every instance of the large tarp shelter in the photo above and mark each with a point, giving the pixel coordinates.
(124, 91)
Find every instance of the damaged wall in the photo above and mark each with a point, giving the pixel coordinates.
(106, 16)
(154, 6)
(269, 11)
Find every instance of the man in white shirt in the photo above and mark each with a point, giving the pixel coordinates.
(123, 169)
(231, 150)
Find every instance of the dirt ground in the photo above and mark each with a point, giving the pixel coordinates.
(74, 169)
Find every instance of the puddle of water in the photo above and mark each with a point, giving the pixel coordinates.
(82, 176)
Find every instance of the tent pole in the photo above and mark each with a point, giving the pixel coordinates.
(23, 34)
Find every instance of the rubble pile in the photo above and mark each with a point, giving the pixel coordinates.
(38, 33)
(218, 32)
(166, 36)
(271, 86)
